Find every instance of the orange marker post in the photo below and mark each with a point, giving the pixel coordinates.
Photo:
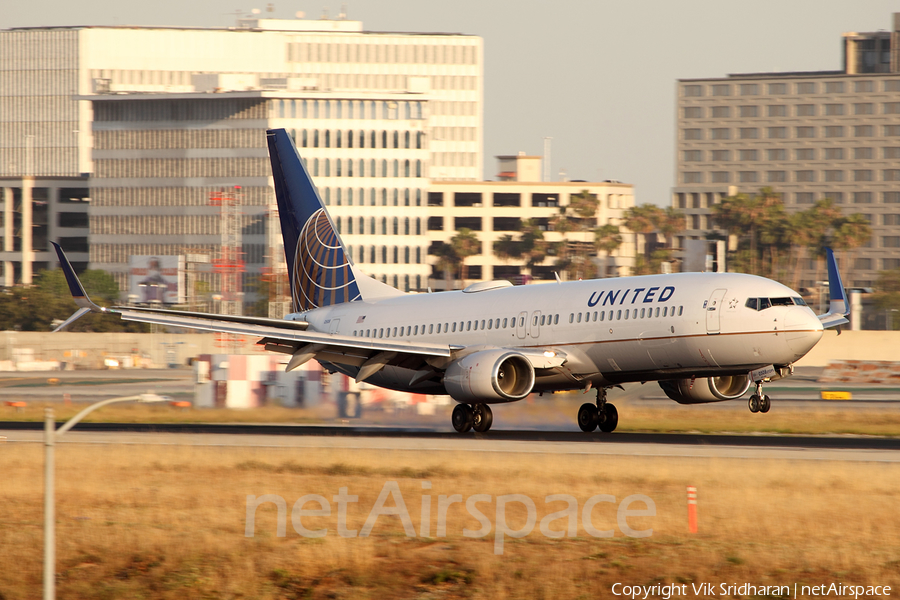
(692, 508)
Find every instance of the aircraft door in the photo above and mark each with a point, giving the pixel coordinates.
(714, 311)
(535, 329)
(521, 324)
(335, 325)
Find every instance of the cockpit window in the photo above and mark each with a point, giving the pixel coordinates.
(764, 303)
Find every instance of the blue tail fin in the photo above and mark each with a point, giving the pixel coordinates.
(320, 270)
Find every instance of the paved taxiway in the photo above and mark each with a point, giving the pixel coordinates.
(758, 447)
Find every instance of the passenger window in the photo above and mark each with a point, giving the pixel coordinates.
(431, 328)
(643, 312)
(579, 318)
(380, 332)
(665, 311)
(657, 312)
(543, 318)
(626, 314)
(571, 317)
(454, 326)
(490, 323)
(416, 330)
(634, 316)
(602, 314)
(595, 315)
(680, 310)
(497, 323)
(476, 326)
(521, 321)
(618, 315)
(556, 319)
(504, 322)
(482, 323)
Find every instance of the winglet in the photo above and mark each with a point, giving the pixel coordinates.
(80, 296)
(839, 305)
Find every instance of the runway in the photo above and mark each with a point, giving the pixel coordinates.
(765, 447)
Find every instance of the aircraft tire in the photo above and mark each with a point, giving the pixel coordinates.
(462, 418)
(483, 417)
(612, 419)
(765, 404)
(753, 404)
(588, 417)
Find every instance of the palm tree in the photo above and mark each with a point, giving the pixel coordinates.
(447, 261)
(507, 248)
(642, 221)
(607, 239)
(534, 248)
(465, 244)
(851, 233)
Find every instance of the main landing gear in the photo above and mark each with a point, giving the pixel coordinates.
(759, 402)
(603, 415)
(472, 416)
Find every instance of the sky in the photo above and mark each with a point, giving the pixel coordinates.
(598, 77)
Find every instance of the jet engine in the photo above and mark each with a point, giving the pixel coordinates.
(490, 376)
(706, 389)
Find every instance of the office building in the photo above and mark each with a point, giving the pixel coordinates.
(807, 135)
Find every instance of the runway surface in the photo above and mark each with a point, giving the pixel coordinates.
(773, 447)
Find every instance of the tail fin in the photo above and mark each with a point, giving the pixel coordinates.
(319, 266)
(838, 306)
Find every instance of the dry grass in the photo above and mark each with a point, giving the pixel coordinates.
(168, 522)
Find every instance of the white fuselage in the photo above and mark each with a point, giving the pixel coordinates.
(611, 330)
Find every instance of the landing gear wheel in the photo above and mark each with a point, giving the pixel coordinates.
(754, 403)
(764, 404)
(608, 425)
(482, 417)
(588, 417)
(462, 418)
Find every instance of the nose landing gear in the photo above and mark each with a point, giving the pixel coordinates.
(759, 402)
(604, 415)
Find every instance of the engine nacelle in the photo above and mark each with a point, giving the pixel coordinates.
(706, 389)
(490, 376)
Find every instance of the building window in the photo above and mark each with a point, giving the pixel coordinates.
(805, 176)
(806, 87)
(863, 264)
(863, 108)
(834, 175)
(862, 175)
(806, 110)
(834, 87)
(721, 112)
(892, 220)
(834, 131)
(862, 197)
(692, 112)
(691, 156)
(720, 133)
(834, 153)
(776, 176)
(891, 197)
(693, 134)
(803, 197)
(748, 176)
(776, 110)
(777, 133)
(862, 130)
(806, 132)
(863, 86)
(776, 89)
(890, 241)
(862, 153)
(720, 155)
(892, 130)
(748, 155)
(805, 154)
(889, 264)
(721, 89)
(749, 89)
(776, 154)
(692, 177)
(749, 133)
(721, 177)
(834, 110)
(749, 112)
(693, 91)
(891, 174)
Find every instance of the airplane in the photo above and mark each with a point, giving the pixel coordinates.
(704, 337)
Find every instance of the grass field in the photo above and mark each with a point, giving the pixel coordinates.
(169, 522)
(558, 411)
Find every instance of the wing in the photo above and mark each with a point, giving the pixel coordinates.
(288, 337)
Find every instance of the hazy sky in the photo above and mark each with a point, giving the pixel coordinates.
(598, 77)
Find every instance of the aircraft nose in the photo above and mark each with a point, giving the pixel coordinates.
(803, 330)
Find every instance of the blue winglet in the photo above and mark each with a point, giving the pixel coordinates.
(75, 287)
(839, 304)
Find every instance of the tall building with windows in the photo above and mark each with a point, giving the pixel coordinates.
(50, 76)
(808, 135)
(161, 159)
